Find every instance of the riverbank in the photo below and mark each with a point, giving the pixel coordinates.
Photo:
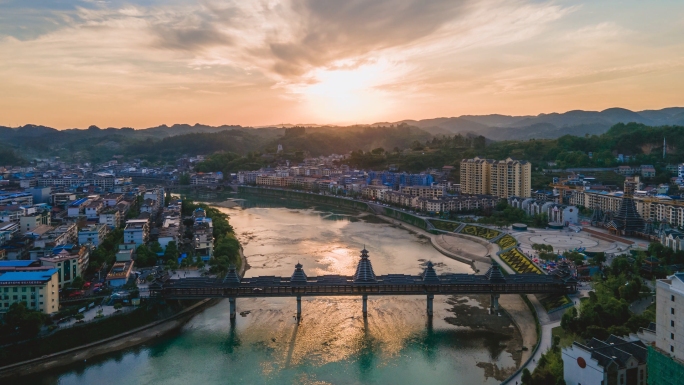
(112, 344)
(122, 341)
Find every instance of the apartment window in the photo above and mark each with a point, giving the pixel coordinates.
(6, 289)
(671, 336)
(672, 310)
(672, 298)
(671, 348)
(33, 289)
(14, 297)
(41, 303)
(672, 323)
(15, 289)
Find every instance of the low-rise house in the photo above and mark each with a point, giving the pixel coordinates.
(614, 361)
(119, 274)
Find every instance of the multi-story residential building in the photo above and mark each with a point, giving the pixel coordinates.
(155, 194)
(61, 235)
(557, 213)
(647, 171)
(41, 194)
(38, 289)
(70, 262)
(111, 217)
(625, 170)
(424, 191)
(511, 177)
(614, 361)
(670, 315)
(33, 219)
(111, 200)
(666, 358)
(137, 231)
(61, 199)
(501, 178)
(374, 192)
(93, 208)
(476, 176)
(150, 206)
(601, 200)
(16, 198)
(105, 181)
(11, 213)
(170, 231)
(93, 234)
(77, 207)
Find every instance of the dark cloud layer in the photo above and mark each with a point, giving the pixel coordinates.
(333, 30)
(319, 32)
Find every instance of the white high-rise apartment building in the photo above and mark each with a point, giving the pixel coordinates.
(670, 315)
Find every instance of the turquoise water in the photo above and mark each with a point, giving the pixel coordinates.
(333, 343)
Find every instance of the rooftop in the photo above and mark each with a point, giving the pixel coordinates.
(16, 277)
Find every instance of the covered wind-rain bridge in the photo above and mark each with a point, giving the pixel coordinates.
(364, 283)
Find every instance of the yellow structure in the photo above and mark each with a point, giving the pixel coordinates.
(502, 178)
(39, 290)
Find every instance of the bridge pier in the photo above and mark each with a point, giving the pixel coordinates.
(232, 307)
(299, 307)
(365, 305)
(495, 303)
(430, 299)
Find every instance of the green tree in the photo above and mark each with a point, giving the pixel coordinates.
(78, 283)
(599, 258)
(184, 179)
(26, 321)
(171, 251)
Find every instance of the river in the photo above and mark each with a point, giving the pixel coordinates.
(333, 343)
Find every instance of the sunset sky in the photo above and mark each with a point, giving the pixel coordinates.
(149, 62)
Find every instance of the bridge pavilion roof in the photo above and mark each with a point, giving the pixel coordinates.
(338, 280)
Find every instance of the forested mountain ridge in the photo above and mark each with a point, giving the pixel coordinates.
(547, 126)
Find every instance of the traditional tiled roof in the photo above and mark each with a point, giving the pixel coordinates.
(494, 273)
(298, 276)
(429, 274)
(231, 276)
(364, 270)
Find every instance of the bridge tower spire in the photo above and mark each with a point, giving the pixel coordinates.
(364, 274)
(430, 278)
(298, 278)
(364, 270)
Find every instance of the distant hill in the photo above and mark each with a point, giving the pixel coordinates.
(549, 126)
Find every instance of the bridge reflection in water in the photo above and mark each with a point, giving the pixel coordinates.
(364, 283)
